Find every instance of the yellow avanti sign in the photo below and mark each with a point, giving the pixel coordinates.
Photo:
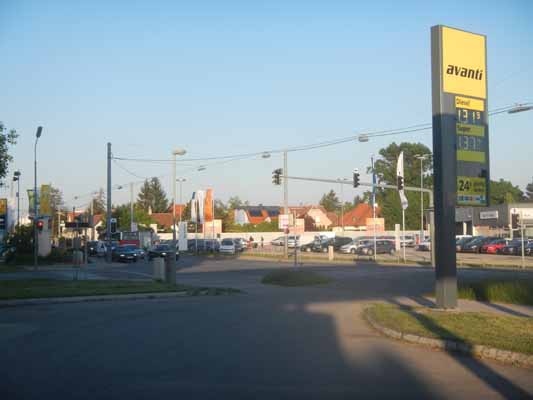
(464, 67)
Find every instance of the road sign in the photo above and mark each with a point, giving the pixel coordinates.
(460, 142)
(77, 225)
(283, 221)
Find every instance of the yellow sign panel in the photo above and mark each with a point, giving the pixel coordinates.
(470, 130)
(472, 156)
(469, 103)
(3, 206)
(463, 63)
(44, 201)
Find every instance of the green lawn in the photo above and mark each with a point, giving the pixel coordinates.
(513, 292)
(291, 277)
(40, 288)
(502, 332)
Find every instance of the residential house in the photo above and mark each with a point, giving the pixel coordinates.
(255, 214)
(316, 217)
(357, 216)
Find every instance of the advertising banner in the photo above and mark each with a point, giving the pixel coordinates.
(3, 214)
(44, 201)
(208, 205)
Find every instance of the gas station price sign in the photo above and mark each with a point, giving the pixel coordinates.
(472, 151)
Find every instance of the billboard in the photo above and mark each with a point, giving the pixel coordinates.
(3, 214)
(208, 206)
(44, 201)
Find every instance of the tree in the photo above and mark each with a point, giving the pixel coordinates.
(99, 206)
(152, 196)
(529, 191)
(389, 200)
(330, 201)
(123, 215)
(235, 202)
(503, 191)
(7, 138)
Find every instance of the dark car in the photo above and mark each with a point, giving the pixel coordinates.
(161, 250)
(475, 245)
(308, 247)
(514, 248)
(529, 249)
(92, 247)
(124, 254)
(459, 243)
(382, 247)
(139, 253)
(196, 245)
(337, 242)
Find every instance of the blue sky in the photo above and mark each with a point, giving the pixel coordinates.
(220, 78)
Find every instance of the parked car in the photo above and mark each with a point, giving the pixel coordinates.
(161, 250)
(279, 241)
(194, 245)
(514, 247)
(139, 253)
(307, 247)
(494, 246)
(227, 246)
(337, 242)
(382, 247)
(240, 244)
(462, 241)
(212, 245)
(424, 245)
(529, 249)
(475, 245)
(92, 247)
(124, 254)
(407, 241)
(351, 248)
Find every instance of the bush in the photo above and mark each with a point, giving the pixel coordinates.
(513, 292)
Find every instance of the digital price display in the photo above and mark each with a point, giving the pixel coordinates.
(472, 152)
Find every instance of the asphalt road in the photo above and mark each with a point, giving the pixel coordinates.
(268, 343)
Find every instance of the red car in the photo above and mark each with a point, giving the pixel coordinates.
(494, 246)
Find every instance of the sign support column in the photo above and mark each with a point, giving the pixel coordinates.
(460, 142)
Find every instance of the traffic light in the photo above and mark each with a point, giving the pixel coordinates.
(514, 221)
(40, 225)
(355, 178)
(276, 176)
(400, 183)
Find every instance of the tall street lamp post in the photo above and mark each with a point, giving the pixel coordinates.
(181, 180)
(35, 195)
(16, 178)
(421, 157)
(171, 267)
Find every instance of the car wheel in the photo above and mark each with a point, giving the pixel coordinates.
(324, 250)
(391, 252)
(370, 252)
(308, 249)
(353, 251)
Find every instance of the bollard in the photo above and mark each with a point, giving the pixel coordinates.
(331, 254)
(170, 269)
(158, 264)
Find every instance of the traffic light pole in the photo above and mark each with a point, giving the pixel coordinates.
(383, 186)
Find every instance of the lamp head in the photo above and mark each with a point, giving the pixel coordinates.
(39, 132)
(179, 152)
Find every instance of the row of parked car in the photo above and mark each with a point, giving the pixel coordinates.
(494, 245)
(362, 245)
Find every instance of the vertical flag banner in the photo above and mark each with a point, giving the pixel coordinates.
(400, 176)
(31, 209)
(3, 214)
(44, 201)
(194, 214)
(208, 205)
(200, 199)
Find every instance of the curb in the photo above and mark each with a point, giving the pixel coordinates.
(478, 351)
(109, 297)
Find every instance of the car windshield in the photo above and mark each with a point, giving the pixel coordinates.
(162, 247)
(227, 242)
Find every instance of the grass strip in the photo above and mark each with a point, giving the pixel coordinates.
(294, 278)
(473, 328)
(507, 291)
(45, 288)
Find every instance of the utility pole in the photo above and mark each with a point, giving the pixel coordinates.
(131, 206)
(108, 216)
(35, 203)
(374, 206)
(286, 200)
(92, 218)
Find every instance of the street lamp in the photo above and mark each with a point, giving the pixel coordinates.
(519, 108)
(35, 209)
(421, 157)
(16, 178)
(172, 273)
